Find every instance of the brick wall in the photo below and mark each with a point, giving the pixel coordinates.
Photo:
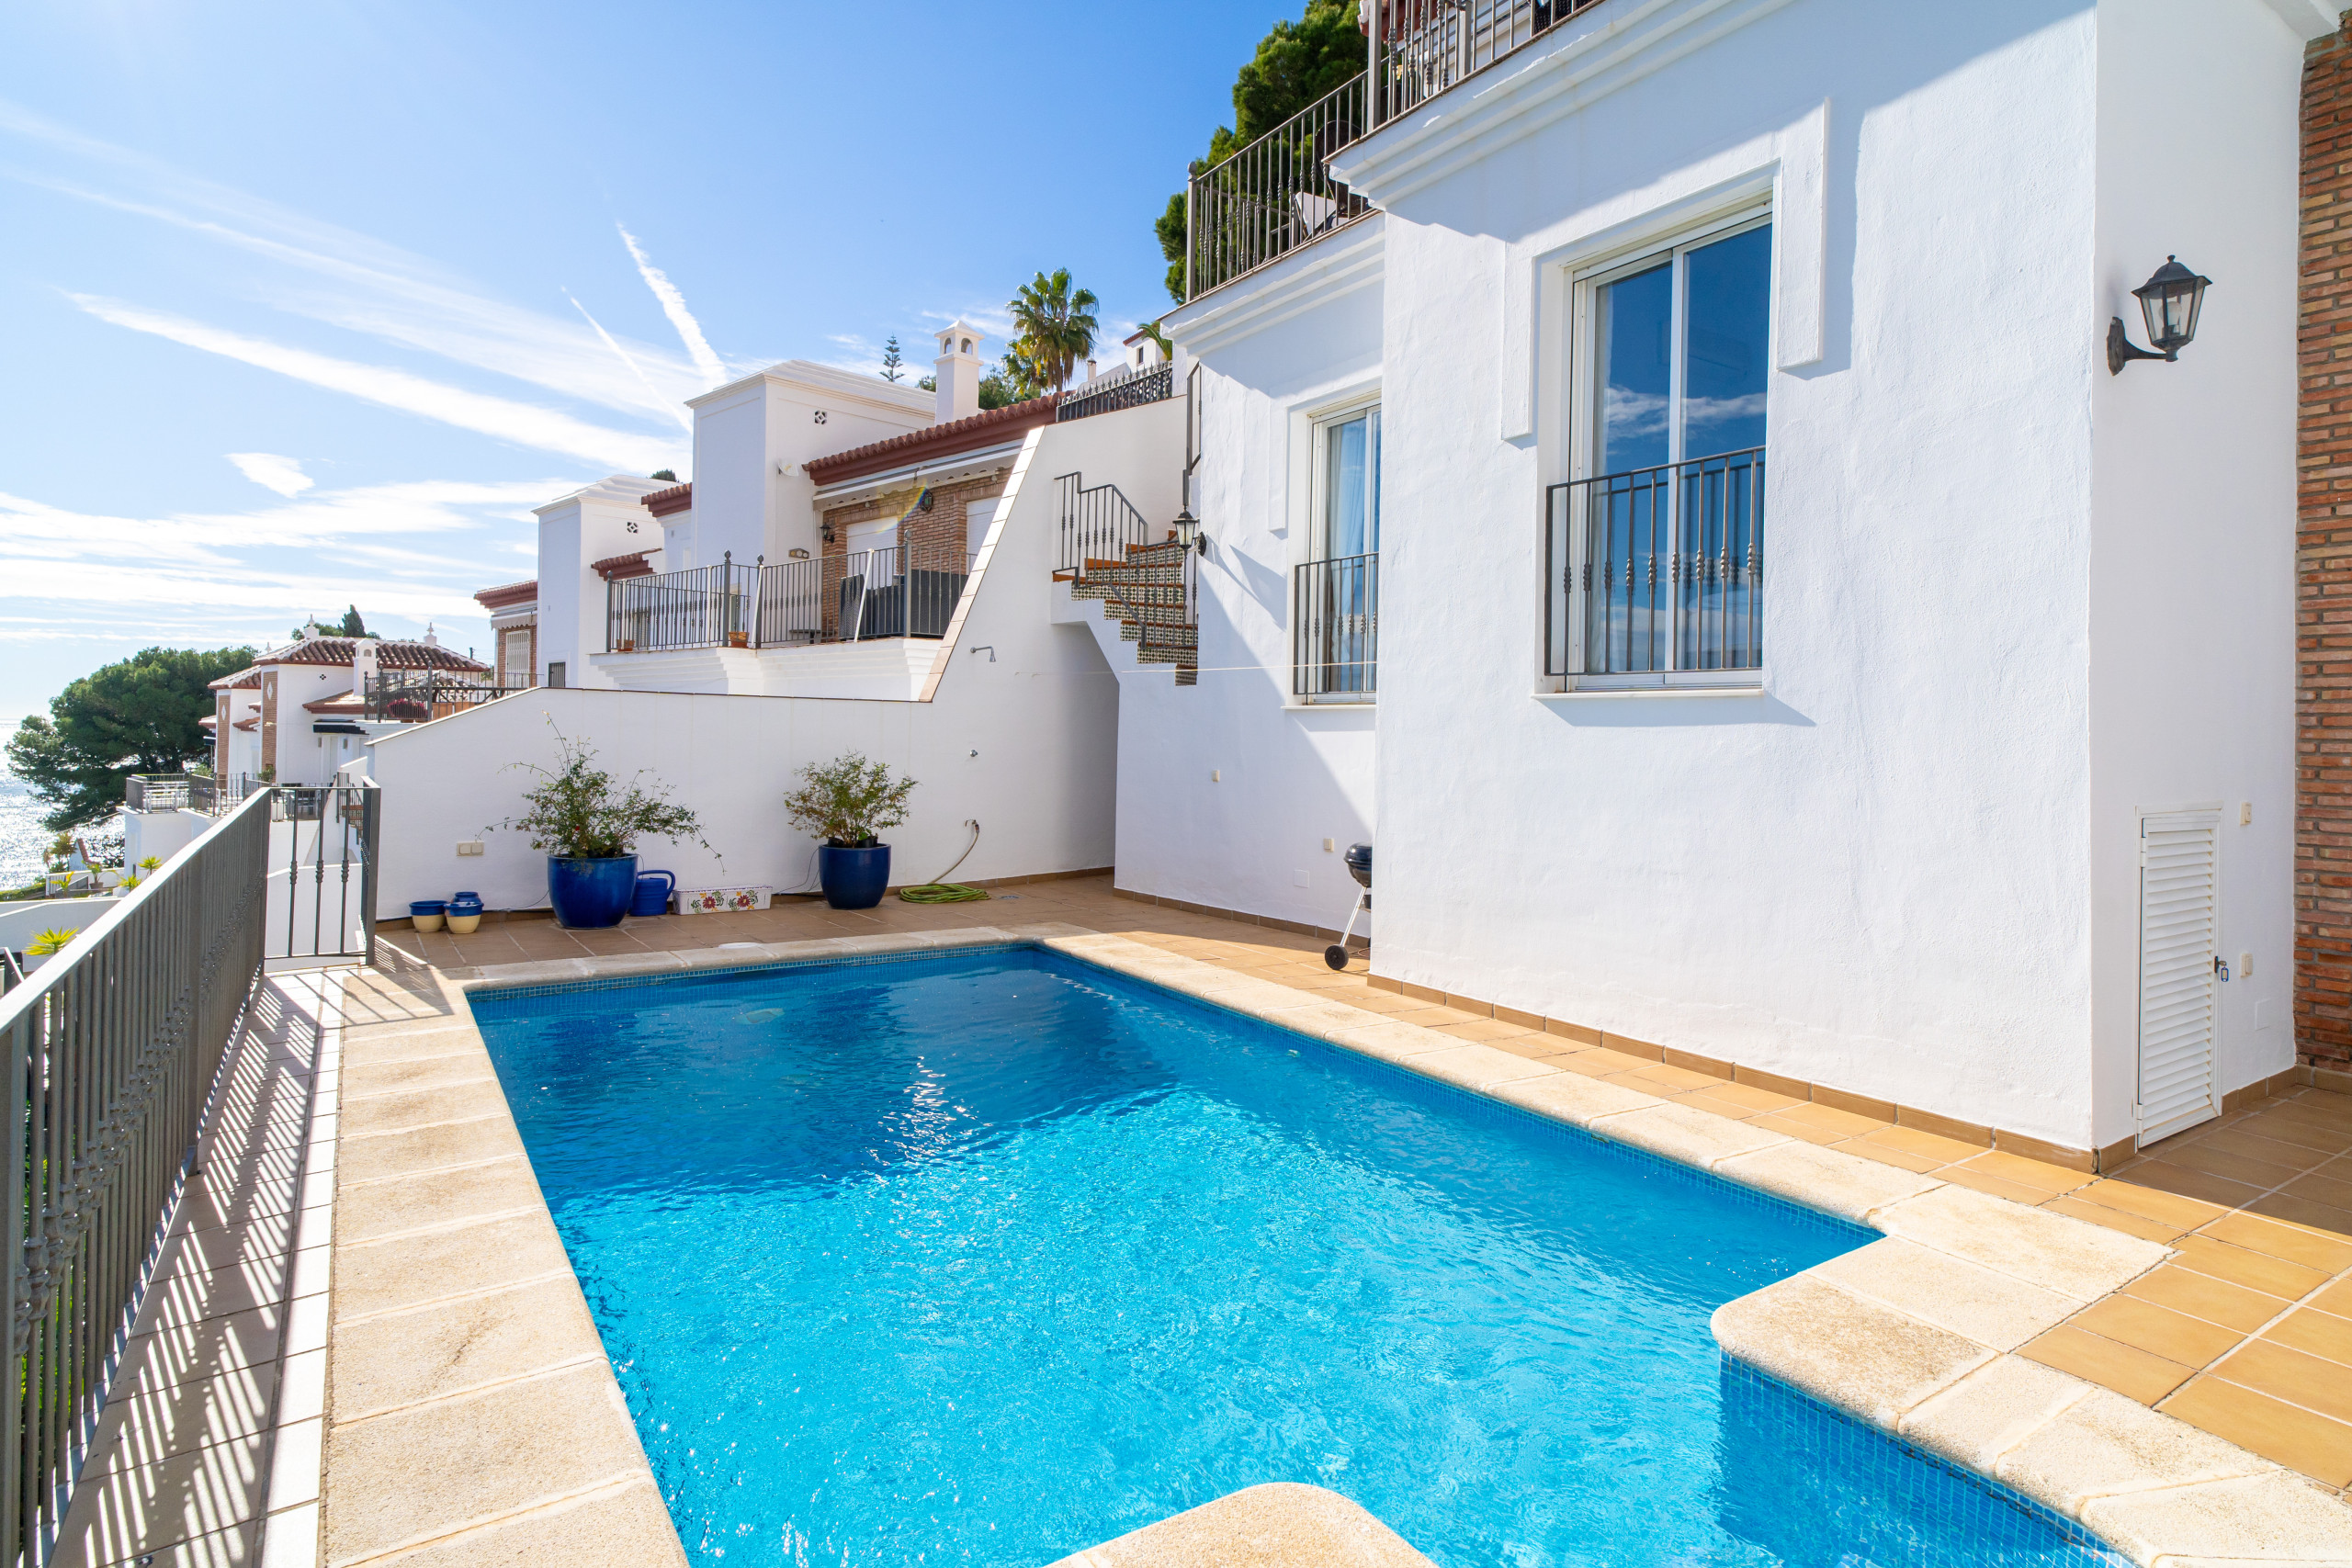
(941, 529)
(2323, 593)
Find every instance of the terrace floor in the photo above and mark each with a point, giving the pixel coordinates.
(2247, 1333)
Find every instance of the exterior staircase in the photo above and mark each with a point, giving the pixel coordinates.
(1145, 594)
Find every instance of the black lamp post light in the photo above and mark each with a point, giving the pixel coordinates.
(2169, 300)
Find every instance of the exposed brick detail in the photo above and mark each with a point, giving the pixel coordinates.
(2324, 572)
(934, 539)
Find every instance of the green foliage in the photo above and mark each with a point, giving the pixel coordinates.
(1056, 328)
(1295, 64)
(848, 801)
(890, 371)
(663, 474)
(46, 942)
(140, 716)
(1014, 380)
(352, 624)
(579, 812)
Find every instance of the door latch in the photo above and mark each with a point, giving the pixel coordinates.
(2220, 969)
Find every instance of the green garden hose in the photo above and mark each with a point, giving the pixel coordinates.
(939, 890)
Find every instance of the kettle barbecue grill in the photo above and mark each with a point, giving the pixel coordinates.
(1358, 859)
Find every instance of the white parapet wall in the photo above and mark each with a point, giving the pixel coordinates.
(1017, 729)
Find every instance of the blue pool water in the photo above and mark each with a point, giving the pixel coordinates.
(982, 1258)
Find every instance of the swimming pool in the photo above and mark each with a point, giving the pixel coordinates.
(991, 1255)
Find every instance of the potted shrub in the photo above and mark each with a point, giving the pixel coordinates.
(589, 823)
(847, 803)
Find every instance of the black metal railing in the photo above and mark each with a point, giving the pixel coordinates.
(111, 1049)
(707, 606)
(1274, 195)
(322, 842)
(1335, 627)
(1120, 390)
(1420, 48)
(1656, 570)
(1098, 525)
(417, 696)
(186, 792)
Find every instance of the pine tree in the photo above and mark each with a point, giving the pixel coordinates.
(891, 362)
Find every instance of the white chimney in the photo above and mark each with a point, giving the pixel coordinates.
(959, 371)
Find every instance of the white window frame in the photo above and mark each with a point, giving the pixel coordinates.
(1581, 405)
(1315, 543)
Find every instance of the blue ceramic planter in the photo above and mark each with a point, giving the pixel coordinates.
(853, 879)
(591, 894)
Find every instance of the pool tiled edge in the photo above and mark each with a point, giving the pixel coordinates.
(1914, 1334)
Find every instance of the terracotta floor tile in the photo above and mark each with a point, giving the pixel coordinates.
(1709, 1099)
(2166, 1176)
(2202, 1156)
(1673, 1081)
(2318, 1334)
(2115, 1219)
(2202, 1295)
(2143, 1325)
(1961, 1176)
(2301, 1439)
(1388, 1003)
(1900, 1158)
(2034, 1173)
(2305, 1132)
(1779, 1122)
(2246, 1139)
(2304, 1212)
(2255, 1270)
(1592, 1064)
(2294, 1243)
(1754, 1100)
(1830, 1119)
(1534, 1048)
(1927, 1145)
(2149, 1202)
(2290, 1374)
(2336, 1298)
(1437, 1017)
(2136, 1374)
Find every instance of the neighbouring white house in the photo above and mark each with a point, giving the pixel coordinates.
(1962, 784)
(1678, 475)
(302, 711)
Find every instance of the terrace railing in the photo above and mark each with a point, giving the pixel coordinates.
(707, 606)
(110, 1050)
(1657, 569)
(1335, 628)
(1120, 390)
(1274, 195)
(896, 591)
(186, 792)
(416, 696)
(1099, 524)
(1420, 48)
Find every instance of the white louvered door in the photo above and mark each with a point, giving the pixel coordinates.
(2179, 929)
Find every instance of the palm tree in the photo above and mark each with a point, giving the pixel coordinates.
(1056, 326)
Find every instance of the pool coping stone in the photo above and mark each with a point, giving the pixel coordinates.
(1914, 1334)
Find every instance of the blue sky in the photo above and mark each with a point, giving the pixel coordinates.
(305, 305)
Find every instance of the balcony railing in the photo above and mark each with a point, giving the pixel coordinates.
(186, 792)
(1335, 628)
(908, 590)
(1119, 390)
(1272, 195)
(1419, 48)
(416, 696)
(1654, 570)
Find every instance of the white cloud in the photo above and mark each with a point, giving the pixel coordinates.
(522, 423)
(674, 305)
(683, 418)
(271, 471)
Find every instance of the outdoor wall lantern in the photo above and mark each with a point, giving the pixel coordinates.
(2170, 300)
(1188, 531)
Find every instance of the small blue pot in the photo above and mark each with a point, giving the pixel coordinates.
(853, 879)
(590, 895)
(426, 913)
(653, 895)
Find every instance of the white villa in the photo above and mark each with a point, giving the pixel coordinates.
(1962, 793)
(301, 711)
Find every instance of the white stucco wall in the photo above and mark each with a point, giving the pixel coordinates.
(1024, 742)
(1882, 872)
(1228, 789)
(2192, 584)
(597, 522)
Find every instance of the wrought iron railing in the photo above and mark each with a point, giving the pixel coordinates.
(186, 792)
(110, 1048)
(328, 859)
(1420, 48)
(416, 696)
(1335, 628)
(1120, 390)
(896, 591)
(1098, 525)
(1656, 570)
(1272, 195)
(707, 606)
